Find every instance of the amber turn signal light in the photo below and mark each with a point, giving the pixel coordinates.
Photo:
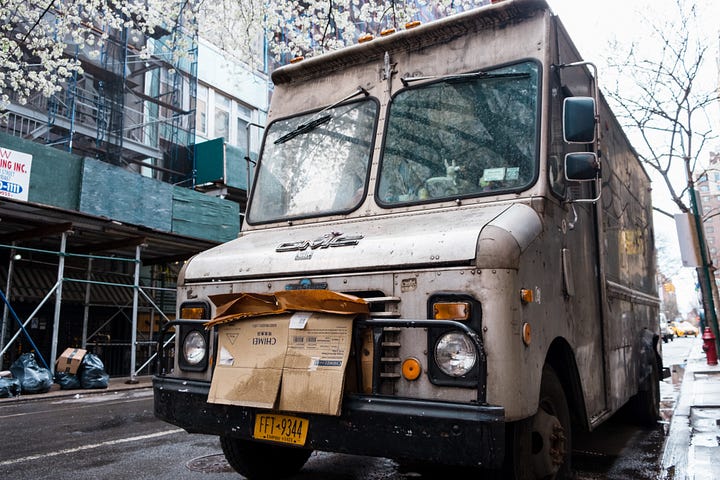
(451, 311)
(192, 313)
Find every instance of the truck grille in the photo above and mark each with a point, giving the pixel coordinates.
(389, 368)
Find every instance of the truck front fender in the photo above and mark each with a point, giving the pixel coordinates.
(505, 238)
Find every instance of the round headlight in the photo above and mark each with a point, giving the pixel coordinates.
(194, 347)
(455, 354)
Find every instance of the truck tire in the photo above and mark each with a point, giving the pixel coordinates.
(540, 447)
(645, 404)
(262, 461)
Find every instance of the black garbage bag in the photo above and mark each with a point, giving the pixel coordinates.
(33, 378)
(92, 372)
(67, 381)
(9, 387)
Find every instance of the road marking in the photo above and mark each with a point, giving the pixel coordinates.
(90, 447)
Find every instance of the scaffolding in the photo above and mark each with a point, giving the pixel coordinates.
(158, 301)
(124, 109)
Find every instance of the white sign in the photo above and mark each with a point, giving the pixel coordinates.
(14, 174)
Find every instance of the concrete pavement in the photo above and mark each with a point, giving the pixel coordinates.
(692, 447)
(114, 385)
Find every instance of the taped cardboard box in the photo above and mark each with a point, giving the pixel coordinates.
(314, 369)
(69, 361)
(251, 355)
(292, 362)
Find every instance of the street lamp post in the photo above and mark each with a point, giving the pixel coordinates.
(705, 277)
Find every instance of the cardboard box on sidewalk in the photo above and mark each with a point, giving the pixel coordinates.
(293, 361)
(69, 361)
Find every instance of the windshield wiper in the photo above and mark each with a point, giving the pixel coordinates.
(461, 76)
(317, 121)
(303, 128)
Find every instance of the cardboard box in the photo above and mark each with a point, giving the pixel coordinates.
(250, 359)
(314, 369)
(69, 361)
(293, 362)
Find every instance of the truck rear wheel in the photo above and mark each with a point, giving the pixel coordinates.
(262, 461)
(645, 404)
(540, 447)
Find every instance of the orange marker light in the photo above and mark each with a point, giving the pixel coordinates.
(526, 333)
(526, 295)
(387, 31)
(413, 24)
(451, 311)
(411, 368)
(365, 38)
(297, 59)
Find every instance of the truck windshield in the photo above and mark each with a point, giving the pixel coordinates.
(462, 136)
(314, 164)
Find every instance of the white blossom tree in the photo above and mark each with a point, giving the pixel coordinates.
(37, 37)
(299, 28)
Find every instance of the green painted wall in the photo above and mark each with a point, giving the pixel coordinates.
(71, 182)
(55, 176)
(209, 159)
(113, 192)
(216, 161)
(197, 215)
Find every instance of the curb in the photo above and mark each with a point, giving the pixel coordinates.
(114, 386)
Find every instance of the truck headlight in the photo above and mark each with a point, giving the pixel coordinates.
(193, 340)
(194, 348)
(455, 354)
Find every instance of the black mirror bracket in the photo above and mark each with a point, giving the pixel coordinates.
(581, 125)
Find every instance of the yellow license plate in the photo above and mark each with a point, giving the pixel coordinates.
(281, 428)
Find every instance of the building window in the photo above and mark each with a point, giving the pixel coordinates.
(709, 229)
(244, 117)
(201, 110)
(704, 188)
(222, 116)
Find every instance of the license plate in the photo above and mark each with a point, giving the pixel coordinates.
(281, 428)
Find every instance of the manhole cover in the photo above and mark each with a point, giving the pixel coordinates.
(209, 464)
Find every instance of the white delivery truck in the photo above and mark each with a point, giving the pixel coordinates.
(464, 183)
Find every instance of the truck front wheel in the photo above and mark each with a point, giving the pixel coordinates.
(540, 447)
(262, 461)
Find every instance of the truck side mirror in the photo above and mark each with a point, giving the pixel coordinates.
(581, 166)
(579, 120)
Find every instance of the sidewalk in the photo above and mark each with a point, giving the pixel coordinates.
(114, 385)
(692, 448)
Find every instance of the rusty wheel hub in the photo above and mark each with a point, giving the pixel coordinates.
(548, 444)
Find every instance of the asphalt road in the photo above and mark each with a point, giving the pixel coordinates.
(115, 436)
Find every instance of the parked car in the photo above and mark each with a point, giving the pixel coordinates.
(684, 329)
(665, 330)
